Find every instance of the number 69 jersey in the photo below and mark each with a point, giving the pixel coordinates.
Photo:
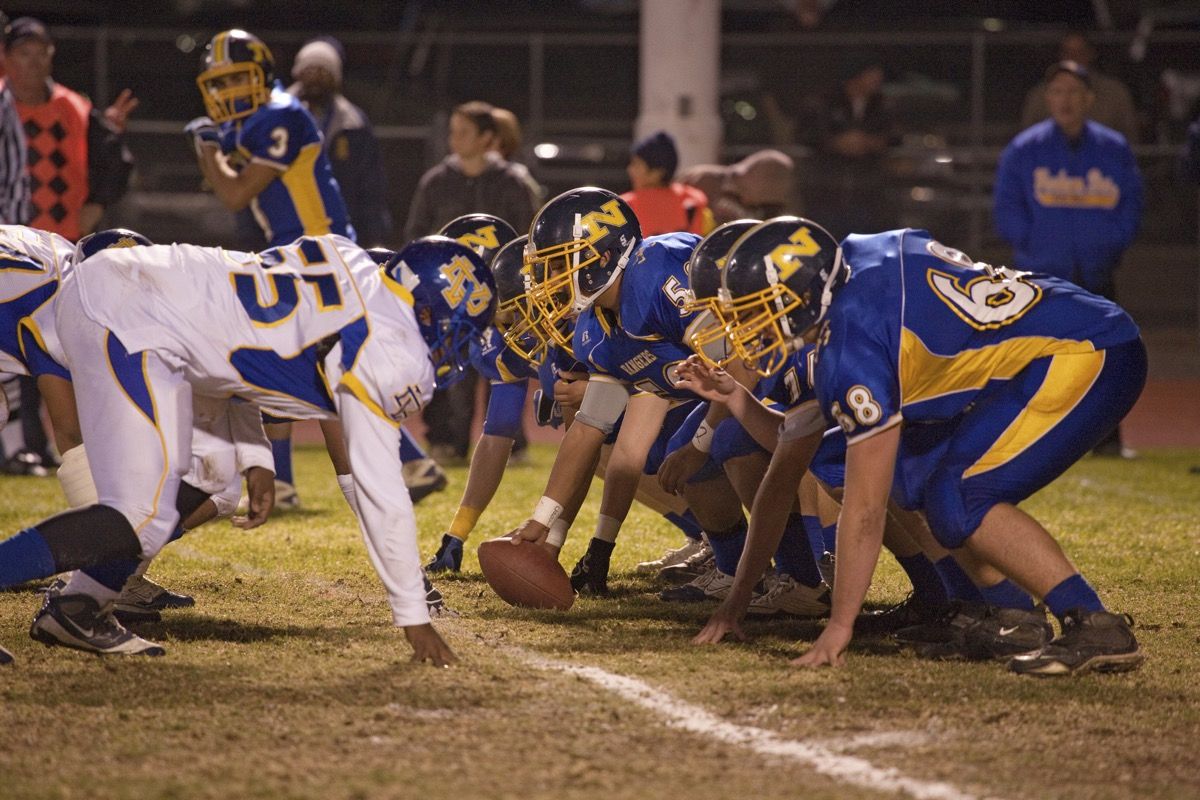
(259, 326)
(920, 330)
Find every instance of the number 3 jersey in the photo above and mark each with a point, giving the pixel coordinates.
(260, 326)
(920, 330)
(643, 342)
(305, 199)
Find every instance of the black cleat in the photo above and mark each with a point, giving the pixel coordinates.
(590, 573)
(435, 602)
(1007, 632)
(907, 613)
(1091, 641)
(78, 621)
(5, 656)
(423, 477)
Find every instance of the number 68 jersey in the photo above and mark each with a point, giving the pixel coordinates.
(258, 326)
(920, 330)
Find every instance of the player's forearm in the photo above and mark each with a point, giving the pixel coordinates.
(860, 535)
(223, 180)
(487, 470)
(574, 462)
(759, 421)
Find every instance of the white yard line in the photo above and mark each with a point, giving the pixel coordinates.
(676, 713)
(680, 714)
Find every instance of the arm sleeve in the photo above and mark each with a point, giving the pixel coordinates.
(249, 439)
(386, 517)
(1011, 215)
(109, 162)
(505, 407)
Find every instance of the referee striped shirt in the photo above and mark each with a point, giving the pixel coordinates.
(14, 179)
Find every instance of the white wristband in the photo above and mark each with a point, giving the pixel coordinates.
(547, 511)
(558, 533)
(702, 440)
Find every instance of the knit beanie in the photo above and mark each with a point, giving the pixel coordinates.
(658, 151)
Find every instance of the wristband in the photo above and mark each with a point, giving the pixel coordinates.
(558, 533)
(546, 511)
(702, 441)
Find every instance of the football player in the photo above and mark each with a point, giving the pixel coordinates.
(963, 389)
(324, 333)
(36, 264)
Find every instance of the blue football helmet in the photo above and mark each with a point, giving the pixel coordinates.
(454, 297)
(238, 74)
(483, 233)
(706, 333)
(778, 282)
(93, 243)
(579, 243)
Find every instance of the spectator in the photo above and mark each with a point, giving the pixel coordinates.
(347, 139)
(1068, 194)
(661, 204)
(857, 130)
(508, 145)
(474, 178)
(78, 163)
(14, 180)
(1113, 106)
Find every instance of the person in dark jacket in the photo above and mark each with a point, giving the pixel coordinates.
(1068, 194)
(474, 178)
(347, 139)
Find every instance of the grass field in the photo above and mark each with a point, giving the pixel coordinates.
(287, 680)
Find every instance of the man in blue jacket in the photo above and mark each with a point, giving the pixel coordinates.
(1068, 194)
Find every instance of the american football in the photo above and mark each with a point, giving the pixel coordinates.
(525, 575)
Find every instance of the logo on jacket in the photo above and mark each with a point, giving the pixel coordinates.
(1060, 190)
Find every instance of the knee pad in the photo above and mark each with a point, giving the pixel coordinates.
(188, 500)
(87, 537)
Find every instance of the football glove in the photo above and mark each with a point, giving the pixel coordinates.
(204, 133)
(546, 410)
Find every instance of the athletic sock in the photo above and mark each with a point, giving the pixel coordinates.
(409, 449)
(829, 535)
(103, 582)
(1006, 594)
(281, 451)
(1074, 592)
(25, 557)
(727, 547)
(816, 535)
(958, 585)
(794, 556)
(928, 588)
(686, 522)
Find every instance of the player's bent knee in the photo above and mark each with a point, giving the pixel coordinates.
(87, 537)
(946, 511)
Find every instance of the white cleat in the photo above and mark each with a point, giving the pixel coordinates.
(784, 595)
(672, 557)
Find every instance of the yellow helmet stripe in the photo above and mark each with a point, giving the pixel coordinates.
(220, 47)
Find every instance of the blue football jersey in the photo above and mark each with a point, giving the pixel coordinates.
(792, 385)
(920, 330)
(643, 342)
(305, 199)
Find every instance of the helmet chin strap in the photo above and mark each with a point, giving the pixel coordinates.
(827, 289)
(583, 301)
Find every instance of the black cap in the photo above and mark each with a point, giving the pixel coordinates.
(23, 28)
(1070, 67)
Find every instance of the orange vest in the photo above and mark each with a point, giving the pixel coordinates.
(56, 132)
(668, 209)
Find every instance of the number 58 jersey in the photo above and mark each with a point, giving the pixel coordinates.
(920, 330)
(259, 326)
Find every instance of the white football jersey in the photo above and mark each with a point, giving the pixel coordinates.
(32, 263)
(256, 326)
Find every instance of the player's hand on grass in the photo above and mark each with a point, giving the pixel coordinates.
(260, 489)
(725, 621)
(679, 466)
(714, 385)
(428, 646)
(830, 648)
